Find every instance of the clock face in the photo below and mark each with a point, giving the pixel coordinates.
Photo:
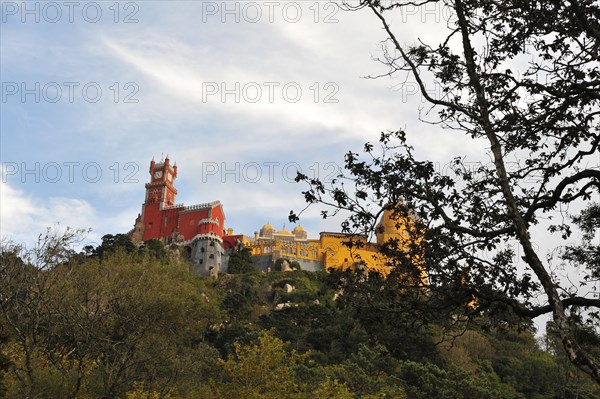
(158, 174)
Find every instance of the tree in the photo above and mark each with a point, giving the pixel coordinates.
(110, 244)
(267, 370)
(522, 80)
(240, 261)
(154, 247)
(101, 326)
(28, 279)
(4, 360)
(132, 317)
(587, 253)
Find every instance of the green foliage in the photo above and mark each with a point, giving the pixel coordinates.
(110, 244)
(266, 369)
(240, 261)
(369, 373)
(331, 335)
(293, 264)
(587, 253)
(572, 382)
(100, 325)
(261, 370)
(133, 325)
(154, 247)
(4, 360)
(393, 317)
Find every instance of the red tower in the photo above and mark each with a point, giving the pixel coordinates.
(162, 218)
(160, 195)
(161, 189)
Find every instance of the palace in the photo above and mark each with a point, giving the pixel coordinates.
(200, 231)
(198, 228)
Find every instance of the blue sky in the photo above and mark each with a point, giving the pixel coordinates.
(102, 87)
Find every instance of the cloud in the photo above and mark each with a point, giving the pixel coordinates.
(24, 216)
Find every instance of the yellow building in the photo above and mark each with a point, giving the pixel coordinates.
(331, 250)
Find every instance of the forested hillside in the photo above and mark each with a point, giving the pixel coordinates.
(118, 321)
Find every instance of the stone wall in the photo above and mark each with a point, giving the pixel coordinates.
(263, 262)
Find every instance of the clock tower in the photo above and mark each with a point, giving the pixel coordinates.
(161, 190)
(159, 216)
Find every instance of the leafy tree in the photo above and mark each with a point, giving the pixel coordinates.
(522, 80)
(570, 382)
(4, 360)
(395, 318)
(110, 244)
(265, 369)
(154, 247)
(293, 264)
(133, 315)
(240, 261)
(28, 279)
(99, 326)
(330, 335)
(587, 253)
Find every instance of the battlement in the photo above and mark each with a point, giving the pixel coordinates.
(201, 237)
(164, 208)
(206, 205)
(210, 221)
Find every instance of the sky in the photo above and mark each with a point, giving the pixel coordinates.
(239, 94)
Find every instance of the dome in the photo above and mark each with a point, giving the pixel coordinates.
(268, 227)
(284, 231)
(267, 230)
(300, 233)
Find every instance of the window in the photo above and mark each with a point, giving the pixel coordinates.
(202, 249)
(150, 225)
(166, 220)
(211, 256)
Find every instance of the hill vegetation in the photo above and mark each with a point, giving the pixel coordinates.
(121, 322)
